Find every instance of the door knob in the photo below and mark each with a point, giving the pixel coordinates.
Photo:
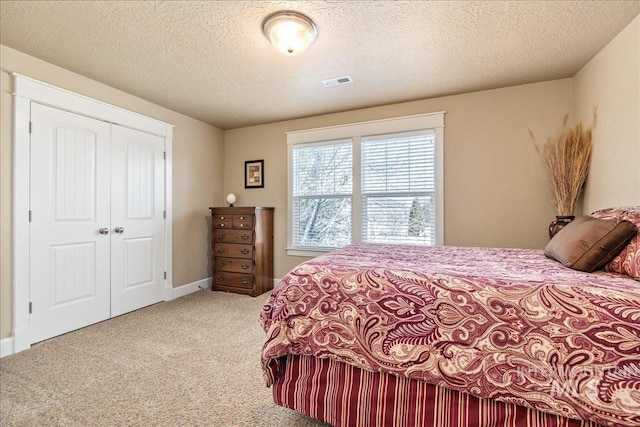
(103, 230)
(119, 230)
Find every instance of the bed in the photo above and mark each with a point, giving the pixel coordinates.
(399, 335)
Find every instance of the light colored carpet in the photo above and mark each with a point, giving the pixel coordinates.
(193, 361)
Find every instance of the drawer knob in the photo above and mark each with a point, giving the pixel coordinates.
(220, 236)
(241, 225)
(245, 251)
(241, 217)
(245, 282)
(221, 264)
(222, 225)
(245, 266)
(220, 250)
(221, 278)
(221, 217)
(245, 237)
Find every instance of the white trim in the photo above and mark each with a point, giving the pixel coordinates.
(356, 190)
(439, 170)
(26, 91)
(6, 347)
(372, 127)
(355, 132)
(63, 99)
(21, 176)
(289, 200)
(311, 252)
(168, 222)
(190, 288)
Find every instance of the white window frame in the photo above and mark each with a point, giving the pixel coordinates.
(361, 196)
(291, 198)
(355, 131)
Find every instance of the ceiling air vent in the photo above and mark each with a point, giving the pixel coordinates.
(337, 81)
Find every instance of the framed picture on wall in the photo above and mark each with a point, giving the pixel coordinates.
(254, 174)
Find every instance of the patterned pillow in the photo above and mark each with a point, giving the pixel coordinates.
(628, 260)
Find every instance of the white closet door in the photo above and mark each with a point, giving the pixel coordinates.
(69, 201)
(137, 222)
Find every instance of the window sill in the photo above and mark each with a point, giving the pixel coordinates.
(308, 252)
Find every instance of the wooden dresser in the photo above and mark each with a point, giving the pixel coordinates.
(242, 248)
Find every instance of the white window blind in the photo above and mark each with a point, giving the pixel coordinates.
(398, 188)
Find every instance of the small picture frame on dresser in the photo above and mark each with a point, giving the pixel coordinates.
(254, 174)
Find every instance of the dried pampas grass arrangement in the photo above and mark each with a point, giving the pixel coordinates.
(567, 158)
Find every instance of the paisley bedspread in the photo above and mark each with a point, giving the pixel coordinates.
(507, 324)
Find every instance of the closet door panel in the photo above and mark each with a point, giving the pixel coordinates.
(69, 201)
(137, 219)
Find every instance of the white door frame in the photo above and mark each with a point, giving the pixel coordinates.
(26, 91)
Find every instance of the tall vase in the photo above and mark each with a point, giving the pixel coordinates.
(559, 223)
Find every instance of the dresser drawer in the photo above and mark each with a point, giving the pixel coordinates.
(237, 265)
(233, 250)
(243, 222)
(234, 280)
(233, 236)
(222, 221)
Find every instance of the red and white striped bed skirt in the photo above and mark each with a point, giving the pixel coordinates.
(343, 395)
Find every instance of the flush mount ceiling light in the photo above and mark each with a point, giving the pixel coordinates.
(290, 32)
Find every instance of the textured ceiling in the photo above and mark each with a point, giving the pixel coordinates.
(209, 59)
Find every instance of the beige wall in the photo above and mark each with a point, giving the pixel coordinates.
(611, 81)
(496, 190)
(197, 170)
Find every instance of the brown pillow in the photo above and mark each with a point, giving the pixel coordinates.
(588, 243)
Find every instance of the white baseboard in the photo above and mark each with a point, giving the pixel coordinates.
(189, 288)
(6, 347)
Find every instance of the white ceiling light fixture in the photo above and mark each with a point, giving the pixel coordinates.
(290, 32)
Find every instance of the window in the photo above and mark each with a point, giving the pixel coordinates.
(366, 182)
(323, 182)
(398, 189)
